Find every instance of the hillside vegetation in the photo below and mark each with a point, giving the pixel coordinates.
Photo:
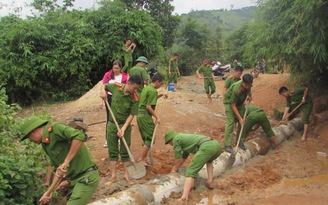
(229, 20)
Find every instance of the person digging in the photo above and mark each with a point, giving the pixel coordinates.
(295, 100)
(205, 149)
(69, 156)
(255, 117)
(124, 107)
(146, 113)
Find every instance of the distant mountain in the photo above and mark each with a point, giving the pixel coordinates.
(229, 20)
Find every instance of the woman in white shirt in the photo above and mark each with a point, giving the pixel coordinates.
(112, 76)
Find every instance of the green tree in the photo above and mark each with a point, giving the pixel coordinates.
(292, 31)
(60, 55)
(161, 11)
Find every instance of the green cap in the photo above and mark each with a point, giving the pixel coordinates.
(142, 59)
(29, 124)
(169, 135)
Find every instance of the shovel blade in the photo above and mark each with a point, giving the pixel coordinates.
(137, 170)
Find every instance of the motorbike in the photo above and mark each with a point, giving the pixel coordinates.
(221, 70)
(152, 71)
(256, 70)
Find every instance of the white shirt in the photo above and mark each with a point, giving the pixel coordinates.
(117, 79)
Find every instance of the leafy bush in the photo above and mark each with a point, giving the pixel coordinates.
(69, 51)
(19, 164)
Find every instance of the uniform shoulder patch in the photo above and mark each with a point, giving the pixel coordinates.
(292, 93)
(118, 84)
(46, 140)
(135, 97)
(241, 90)
(50, 129)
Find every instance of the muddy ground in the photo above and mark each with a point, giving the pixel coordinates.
(291, 174)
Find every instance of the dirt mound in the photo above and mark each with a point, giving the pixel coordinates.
(89, 101)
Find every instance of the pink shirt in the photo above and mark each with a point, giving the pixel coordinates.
(106, 77)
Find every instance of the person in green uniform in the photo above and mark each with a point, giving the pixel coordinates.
(125, 107)
(140, 70)
(238, 71)
(68, 154)
(234, 107)
(208, 79)
(146, 113)
(235, 63)
(128, 48)
(255, 118)
(205, 149)
(293, 99)
(173, 71)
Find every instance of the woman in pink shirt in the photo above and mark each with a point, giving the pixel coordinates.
(112, 76)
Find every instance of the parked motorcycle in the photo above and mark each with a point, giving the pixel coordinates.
(256, 70)
(152, 71)
(219, 70)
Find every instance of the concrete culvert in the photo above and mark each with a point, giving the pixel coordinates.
(154, 191)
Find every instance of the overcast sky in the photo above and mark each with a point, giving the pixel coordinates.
(181, 6)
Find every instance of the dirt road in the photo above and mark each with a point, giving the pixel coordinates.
(291, 174)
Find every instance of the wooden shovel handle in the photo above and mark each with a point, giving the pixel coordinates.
(53, 185)
(242, 128)
(118, 128)
(280, 122)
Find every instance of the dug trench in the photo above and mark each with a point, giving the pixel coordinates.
(292, 173)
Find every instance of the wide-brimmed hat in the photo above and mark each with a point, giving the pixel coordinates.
(169, 135)
(142, 59)
(29, 124)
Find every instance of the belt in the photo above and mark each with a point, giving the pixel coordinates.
(144, 112)
(255, 111)
(90, 169)
(204, 140)
(120, 122)
(86, 171)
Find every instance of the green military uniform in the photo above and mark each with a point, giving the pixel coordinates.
(235, 94)
(142, 73)
(205, 149)
(145, 121)
(208, 79)
(230, 80)
(174, 73)
(127, 59)
(295, 98)
(82, 172)
(255, 115)
(123, 104)
(234, 65)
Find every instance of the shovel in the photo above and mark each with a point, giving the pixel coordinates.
(138, 169)
(151, 147)
(232, 156)
(281, 122)
(55, 182)
(153, 139)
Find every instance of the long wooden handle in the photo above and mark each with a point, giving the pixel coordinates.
(153, 139)
(160, 115)
(53, 185)
(294, 109)
(118, 128)
(280, 122)
(241, 129)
